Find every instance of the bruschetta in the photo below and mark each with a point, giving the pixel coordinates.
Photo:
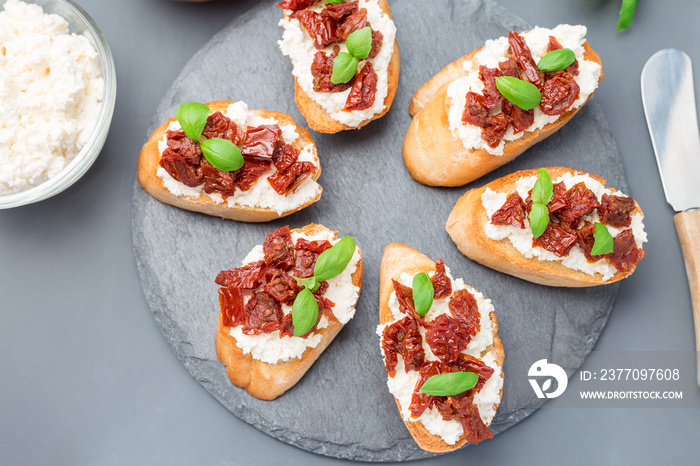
(278, 177)
(456, 332)
(316, 35)
(493, 225)
(463, 127)
(258, 337)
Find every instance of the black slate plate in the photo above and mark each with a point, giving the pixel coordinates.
(342, 407)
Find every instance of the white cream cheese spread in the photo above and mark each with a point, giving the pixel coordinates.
(403, 384)
(261, 194)
(494, 52)
(51, 91)
(298, 45)
(271, 347)
(521, 238)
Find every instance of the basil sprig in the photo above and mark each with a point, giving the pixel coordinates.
(334, 2)
(604, 243)
(359, 44)
(330, 264)
(222, 154)
(541, 194)
(626, 14)
(423, 293)
(557, 60)
(449, 384)
(518, 92)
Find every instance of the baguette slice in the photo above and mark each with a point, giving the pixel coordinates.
(466, 227)
(319, 120)
(397, 259)
(148, 164)
(436, 157)
(268, 381)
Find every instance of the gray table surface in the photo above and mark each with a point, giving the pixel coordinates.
(87, 378)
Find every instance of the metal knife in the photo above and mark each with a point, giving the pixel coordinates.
(669, 105)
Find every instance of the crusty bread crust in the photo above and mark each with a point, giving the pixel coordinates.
(319, 120)
(268, 381)
(149, 160)
(466, 227)
(397, 259)
(436, 157)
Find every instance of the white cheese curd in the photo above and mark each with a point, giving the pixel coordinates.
(298, 45)
(261, 194)
(51, 91)
(273, 348)
(521, 238)
(403, 384)
(494, 52)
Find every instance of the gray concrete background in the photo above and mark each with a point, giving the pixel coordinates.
(87, 378)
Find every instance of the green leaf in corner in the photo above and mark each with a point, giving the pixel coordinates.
(344, 68)
(556, 60)
(449, 384)
(604, 243)
(359, 43)
(423, 293)
(626, 14)
(304, 312)
(192, 117)
(539, 219)
(222, 154)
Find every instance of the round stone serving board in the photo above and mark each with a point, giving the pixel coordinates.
(342, 407)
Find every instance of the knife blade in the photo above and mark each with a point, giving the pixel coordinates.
(668, 97)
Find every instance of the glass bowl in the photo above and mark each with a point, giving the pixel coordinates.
(79, 22)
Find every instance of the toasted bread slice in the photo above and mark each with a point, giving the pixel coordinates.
(436, 157)
(268, 381)
(319, 120)
(397, 259)
(466, 227)
(149, 162)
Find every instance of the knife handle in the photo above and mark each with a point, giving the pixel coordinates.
(688, 228)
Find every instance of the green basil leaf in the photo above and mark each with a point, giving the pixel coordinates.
(304, 312)
(604, 243)
(334, 2)
(222, 154)
(192, 117)
(359, 43)
(449, 384)
(539, 219)
(344, 68)
(626, 14)
(310, 283)
(333, 261)
(521, 93)
(557, 60)
(543, 190)
(423, 293)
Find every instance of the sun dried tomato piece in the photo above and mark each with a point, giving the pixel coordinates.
(220, 126)
(185, 147)
(285, 155)
(307, 253)
(508, 67)
(249, 173)
(261, 141)
(558, 94)
(496, 129)
(490, 93)
(586, 240)
(581, 202)
(178, 168)
(556, 239)
(216, 181)
(402, 337)
(512, 212)
(341, 10)
(322, 288)
(465, 309)
(447, 337)
(523, 57)
(467, 363)
(316, 246)
(519, 118)
(404, 294)
(263, 314)
(625, 253)
(321, 27)
(322, 70)
(441, 282)
(232, 308)
(278, 249)
(616, 210)
(420, 401)
(363, 90)
(377, 40)
(352, 23)
(475, 111)
(287, 181)
(296, 4)
(247, 277)
(281, 286)
(560, 199)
